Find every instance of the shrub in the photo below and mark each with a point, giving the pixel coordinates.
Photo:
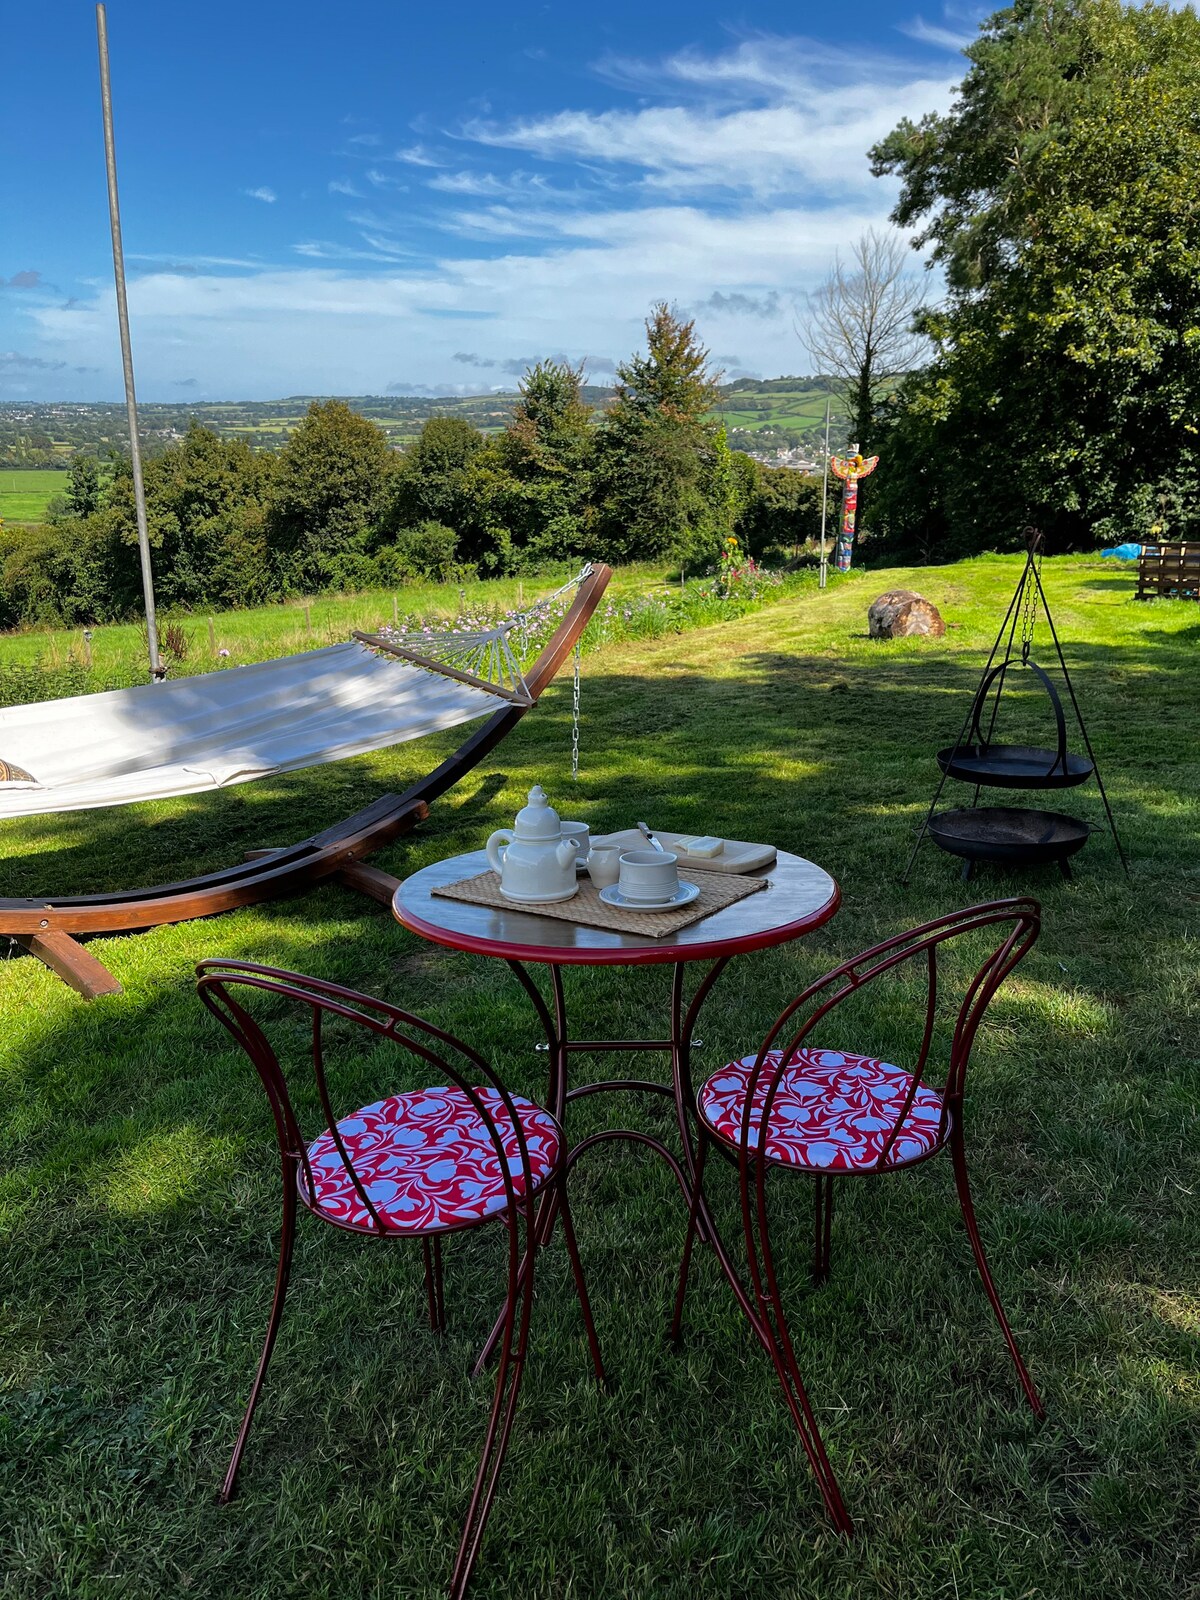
(425, 552)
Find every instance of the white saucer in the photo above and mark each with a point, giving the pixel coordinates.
(683, 896)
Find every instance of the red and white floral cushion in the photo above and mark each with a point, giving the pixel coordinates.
(832, 1112)
(427, 1160)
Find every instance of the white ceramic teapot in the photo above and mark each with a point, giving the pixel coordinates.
(532, 859)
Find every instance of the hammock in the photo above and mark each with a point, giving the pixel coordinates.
(190, 735)
(193, 734)
(228, 727)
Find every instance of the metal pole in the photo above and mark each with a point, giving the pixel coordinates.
(825, 500)
(135, 452)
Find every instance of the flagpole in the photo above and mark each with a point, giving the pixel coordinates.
(157, 669)
(825, 499)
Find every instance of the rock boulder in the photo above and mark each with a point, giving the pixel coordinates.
(901, 612)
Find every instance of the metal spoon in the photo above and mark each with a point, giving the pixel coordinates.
(650, 839)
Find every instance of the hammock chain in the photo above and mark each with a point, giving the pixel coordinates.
(575, 714)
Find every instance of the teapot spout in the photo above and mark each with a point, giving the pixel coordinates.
(566, 854)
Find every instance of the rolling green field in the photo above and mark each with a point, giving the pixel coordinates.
(139, 1188)
(798, 412)
(25, 495)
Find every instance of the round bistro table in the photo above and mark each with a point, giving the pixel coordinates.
(799, 898)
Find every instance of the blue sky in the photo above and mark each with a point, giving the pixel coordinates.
(384, 197)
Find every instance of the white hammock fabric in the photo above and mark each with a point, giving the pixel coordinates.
(189, 735)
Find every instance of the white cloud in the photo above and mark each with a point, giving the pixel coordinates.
(814, 143)
(941, 38)
(343, 186)
(268, 196)
(416, 155)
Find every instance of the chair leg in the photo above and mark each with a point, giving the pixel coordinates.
(435, 1298)
(777, 1338)
(514, 1344)
(822, 1228)
(689, 1240)
(585, 1304)
(959, 1155)
(282, 1275)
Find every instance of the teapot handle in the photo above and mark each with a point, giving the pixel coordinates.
(502, 836)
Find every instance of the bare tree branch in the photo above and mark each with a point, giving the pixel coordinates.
(860, 324)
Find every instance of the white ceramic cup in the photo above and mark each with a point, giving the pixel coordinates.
(604, 864)
(649, 875)
(582, 837)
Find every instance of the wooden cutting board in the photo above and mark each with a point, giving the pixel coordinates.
(737, 856)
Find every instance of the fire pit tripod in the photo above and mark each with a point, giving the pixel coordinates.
(1015, 834)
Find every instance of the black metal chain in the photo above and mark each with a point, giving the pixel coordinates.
(1029, 601)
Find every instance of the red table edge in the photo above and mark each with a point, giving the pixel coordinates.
(651, 955)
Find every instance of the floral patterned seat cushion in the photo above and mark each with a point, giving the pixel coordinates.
(427, 1160)
(833, 1112)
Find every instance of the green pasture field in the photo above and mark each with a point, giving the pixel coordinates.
(139, 1187)
(24, 495)
(798, 412)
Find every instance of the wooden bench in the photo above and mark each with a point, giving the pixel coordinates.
(1169, 569)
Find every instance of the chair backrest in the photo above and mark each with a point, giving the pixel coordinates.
(1019, 922)
(225, 988)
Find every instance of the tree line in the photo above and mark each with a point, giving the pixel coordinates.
(649, 477)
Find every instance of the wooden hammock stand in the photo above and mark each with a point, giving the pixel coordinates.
(50, 930)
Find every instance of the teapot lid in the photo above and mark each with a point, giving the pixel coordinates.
(538, 819)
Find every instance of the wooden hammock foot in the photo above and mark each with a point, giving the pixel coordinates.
(367, 880)
(72, 963)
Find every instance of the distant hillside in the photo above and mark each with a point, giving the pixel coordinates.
(762, 414)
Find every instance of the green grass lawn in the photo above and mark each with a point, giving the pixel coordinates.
(25, 494)
(139, 1199)
(258, 633)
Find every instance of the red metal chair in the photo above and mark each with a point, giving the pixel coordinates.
(832, 1114)
(419, 1165)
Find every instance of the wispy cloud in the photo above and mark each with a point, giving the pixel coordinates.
(22, 280)
(166, 263)
(383, 180)
(952, 39)
(417, 155)
(343, 186)
(267, 196)
(329, 250)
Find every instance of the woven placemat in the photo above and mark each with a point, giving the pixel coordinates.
(716, 892)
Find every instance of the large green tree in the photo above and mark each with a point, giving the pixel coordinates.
(328, 494)
(548, 450)
(434, 483)
(662, 480)
(1058, 196)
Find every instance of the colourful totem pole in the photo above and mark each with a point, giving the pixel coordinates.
(849, 469)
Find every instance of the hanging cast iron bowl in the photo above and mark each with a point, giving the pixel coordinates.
(1016, 766)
